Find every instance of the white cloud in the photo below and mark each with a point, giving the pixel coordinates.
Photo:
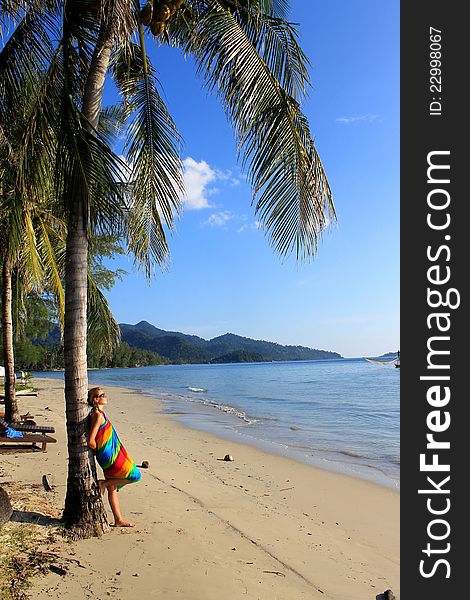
(219, 219)
(347, 120)
(197, 177)
(248, 226)
(200, 179)
(228, 177)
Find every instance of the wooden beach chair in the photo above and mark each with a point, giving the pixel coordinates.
(27, 443)
(27, 425)
(32, 435)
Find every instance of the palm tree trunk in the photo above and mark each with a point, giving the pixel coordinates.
(84, 513)
(12, 413)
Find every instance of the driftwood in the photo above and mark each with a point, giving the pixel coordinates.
(46, 484)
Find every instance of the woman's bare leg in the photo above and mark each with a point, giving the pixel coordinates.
(111, 485)
(114, 504)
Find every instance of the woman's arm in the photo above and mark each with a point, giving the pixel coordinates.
(96, 420)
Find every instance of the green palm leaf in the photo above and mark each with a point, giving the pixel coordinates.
(25, 54)
(239, 55)
(152, 152)
(103, 331)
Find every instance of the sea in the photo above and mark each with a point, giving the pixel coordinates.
(341, 415)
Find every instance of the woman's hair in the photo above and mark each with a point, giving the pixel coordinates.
(92, 394)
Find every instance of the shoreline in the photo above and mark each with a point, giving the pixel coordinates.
(210, 415)
(324, 460)
(263, 526)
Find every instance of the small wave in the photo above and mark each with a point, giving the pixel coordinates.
(352, 453)
(268, 419)
(301, 447)
(230, 410)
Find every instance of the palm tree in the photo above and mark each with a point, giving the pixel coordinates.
(28, 235)
(248, 54)
(30, 262)
(32, 250)
(11, 406)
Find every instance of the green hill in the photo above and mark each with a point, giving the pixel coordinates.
(238, 356)
(183, 348)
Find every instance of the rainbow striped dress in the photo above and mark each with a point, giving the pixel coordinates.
(112, 456)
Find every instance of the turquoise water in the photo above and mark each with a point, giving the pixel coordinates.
(341, 415)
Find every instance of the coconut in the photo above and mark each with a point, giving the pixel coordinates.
(161, 12)
(146, 14)
(156, 27)
(172, 8)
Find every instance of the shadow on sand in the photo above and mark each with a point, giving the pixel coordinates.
(24, 516)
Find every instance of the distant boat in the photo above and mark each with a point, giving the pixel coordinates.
(394, 361)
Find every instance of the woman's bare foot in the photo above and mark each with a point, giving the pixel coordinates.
(123, 524)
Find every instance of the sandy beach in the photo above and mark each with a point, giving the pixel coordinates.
(261, 527)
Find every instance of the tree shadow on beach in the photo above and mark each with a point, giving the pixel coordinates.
(25, 516)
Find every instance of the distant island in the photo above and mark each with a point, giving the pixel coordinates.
(184, 348)
(144, 345)
(238, 356)
(386, 355)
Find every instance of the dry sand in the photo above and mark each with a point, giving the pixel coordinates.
(261, 527)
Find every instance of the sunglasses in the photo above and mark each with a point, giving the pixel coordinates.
(103, 395)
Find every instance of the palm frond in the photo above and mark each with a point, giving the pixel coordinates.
(103, 331)
(291, 190)
(278, 8)
(112, 122)
(85, 162)
(38, 145)
(276, 41)
(25, 54)
(31, 258)
(52, 237)
(152, 152)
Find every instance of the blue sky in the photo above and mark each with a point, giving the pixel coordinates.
(223, 276)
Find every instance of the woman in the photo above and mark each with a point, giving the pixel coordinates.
(118, 467)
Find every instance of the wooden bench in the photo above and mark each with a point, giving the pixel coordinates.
(28, 425)
(32, 439)
(33, 428)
